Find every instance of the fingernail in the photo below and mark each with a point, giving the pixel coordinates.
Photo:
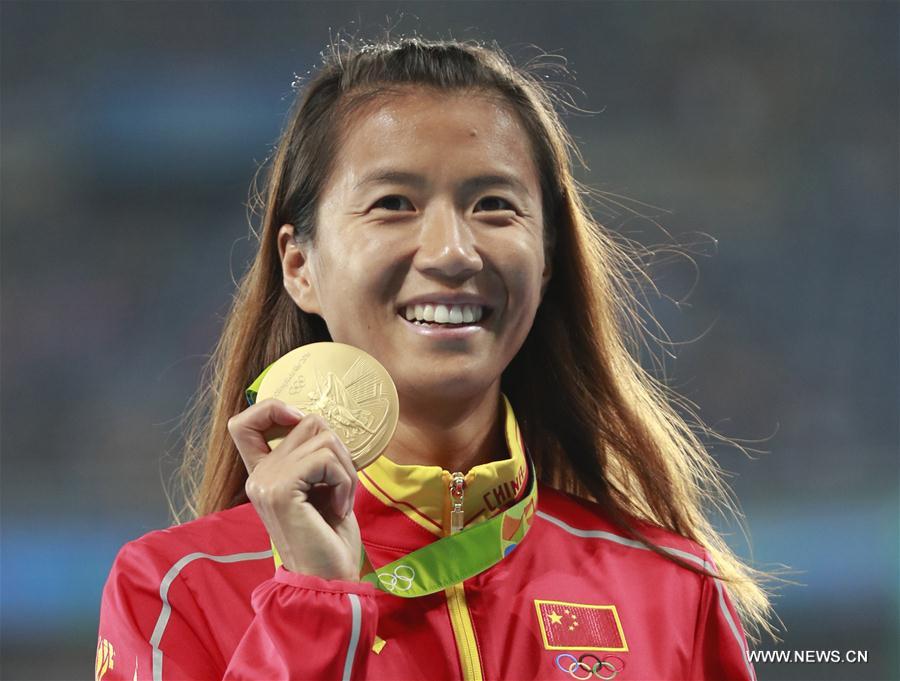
(349, 507)
(294, 411)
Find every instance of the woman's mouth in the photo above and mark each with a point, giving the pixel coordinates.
(443, 314)
(436, 317)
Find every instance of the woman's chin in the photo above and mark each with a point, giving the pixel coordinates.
(449, 387)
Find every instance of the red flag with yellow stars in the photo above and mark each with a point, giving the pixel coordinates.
(578, 626)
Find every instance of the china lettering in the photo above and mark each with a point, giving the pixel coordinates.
(397, 581)
(606, 669)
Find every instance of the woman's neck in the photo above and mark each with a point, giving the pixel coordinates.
(453, 435)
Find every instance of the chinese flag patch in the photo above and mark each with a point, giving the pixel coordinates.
(578, 626)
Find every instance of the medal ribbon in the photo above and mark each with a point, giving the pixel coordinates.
(452, 559)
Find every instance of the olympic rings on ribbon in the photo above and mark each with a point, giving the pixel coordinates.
(578, 663)
(390, 580)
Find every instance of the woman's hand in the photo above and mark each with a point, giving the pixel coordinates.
(303, 490)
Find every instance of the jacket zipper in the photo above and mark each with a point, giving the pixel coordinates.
(457, 493)
(460, 619)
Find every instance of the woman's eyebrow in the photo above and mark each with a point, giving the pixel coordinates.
(469, 185)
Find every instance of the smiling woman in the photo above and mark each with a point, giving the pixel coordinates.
(421, 207)
(432, 212)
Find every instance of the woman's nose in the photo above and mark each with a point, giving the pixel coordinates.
(447, 246)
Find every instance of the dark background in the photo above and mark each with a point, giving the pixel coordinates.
(765, 133)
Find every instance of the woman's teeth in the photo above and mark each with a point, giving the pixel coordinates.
(444, 314)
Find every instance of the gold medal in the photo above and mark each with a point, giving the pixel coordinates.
(347, 387)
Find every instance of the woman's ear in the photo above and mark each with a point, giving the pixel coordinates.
(546, 275)
(296, 266)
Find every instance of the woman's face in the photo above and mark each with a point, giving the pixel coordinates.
(428, 251)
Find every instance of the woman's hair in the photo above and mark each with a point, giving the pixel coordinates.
(597, 424)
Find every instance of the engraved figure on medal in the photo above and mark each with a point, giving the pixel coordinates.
(346, 387)
(353, 404)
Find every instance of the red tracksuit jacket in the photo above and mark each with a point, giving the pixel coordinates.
(575, 600)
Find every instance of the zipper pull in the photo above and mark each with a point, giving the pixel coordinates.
(457, 491)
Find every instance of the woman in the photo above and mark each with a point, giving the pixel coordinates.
(421, 207)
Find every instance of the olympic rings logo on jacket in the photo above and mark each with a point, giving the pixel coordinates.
(392, 579)
(605, 669)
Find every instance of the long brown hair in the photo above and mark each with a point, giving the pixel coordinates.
(597, 424)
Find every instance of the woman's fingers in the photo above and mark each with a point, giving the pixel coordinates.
(311, 433)
(302, 489)
(326, 440)
(315, 425)
(322, 466)
(248, 427)
(317, 475)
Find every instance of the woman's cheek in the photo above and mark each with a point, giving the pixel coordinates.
(525, 284)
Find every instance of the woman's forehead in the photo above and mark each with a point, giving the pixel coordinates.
(426, 131)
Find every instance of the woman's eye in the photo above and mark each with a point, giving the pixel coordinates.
(492, 203)
(395, 202)
(391, 202)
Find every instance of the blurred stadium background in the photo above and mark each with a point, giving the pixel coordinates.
(764, 136)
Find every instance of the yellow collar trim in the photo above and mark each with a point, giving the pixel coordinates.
(423, 492)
